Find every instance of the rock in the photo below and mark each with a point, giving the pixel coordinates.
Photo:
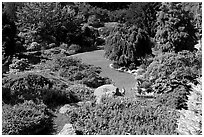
(67, 130)
(67, 107)
(106, 90)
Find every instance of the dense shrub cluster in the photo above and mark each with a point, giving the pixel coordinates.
(168, 75)
(175, 30)
(30, 86)
(55, 23)
(127, 45)
(20, 64)
(25, 119)
(47, 20)
(74, 70)
(124, 117)
(171, 67)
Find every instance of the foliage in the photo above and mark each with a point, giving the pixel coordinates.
(18, 88)
(195, 10)
(20, 64)
(190, 121)
(110, 5)
(48, 19)
(175, 30)
(64, 46)
(82, 92)
(8, 35)
(143, 15)
(123, 116)
(169, 74)
(24, 119)
(166, 68)
(74, 70)
(94, 21)
(75, 47)
(127, 45)
(118, 15)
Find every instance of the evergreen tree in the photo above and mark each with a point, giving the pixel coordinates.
(175, 30)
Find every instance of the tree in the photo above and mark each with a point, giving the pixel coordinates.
(127, 44)
(143, 15)
(175, 31)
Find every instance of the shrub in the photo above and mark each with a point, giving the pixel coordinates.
(25, 119)
(94, 21)
(64, 46)
(20, 65)
(75, 47)
(25, 87)
(167, 68)
(175, 31)
(82, 92)
(124, 117)
(169, 74)
(30, 86)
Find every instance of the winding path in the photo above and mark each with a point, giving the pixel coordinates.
(121, 79)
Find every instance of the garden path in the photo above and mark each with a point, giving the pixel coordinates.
(120, 79)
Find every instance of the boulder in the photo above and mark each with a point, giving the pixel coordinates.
(106, 90)
(67, 130)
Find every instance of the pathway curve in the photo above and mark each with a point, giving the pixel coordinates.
(121, 79)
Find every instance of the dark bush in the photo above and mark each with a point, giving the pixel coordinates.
(124, 117)
(75, 47)
(25, 119)
(18, 88)
(127, 45)
(175, 30)
(9, 31)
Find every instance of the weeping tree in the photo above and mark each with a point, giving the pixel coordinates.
(175, 30)
(127, 45)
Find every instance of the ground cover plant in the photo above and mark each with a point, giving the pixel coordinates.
(24, 119)
(124, 117)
